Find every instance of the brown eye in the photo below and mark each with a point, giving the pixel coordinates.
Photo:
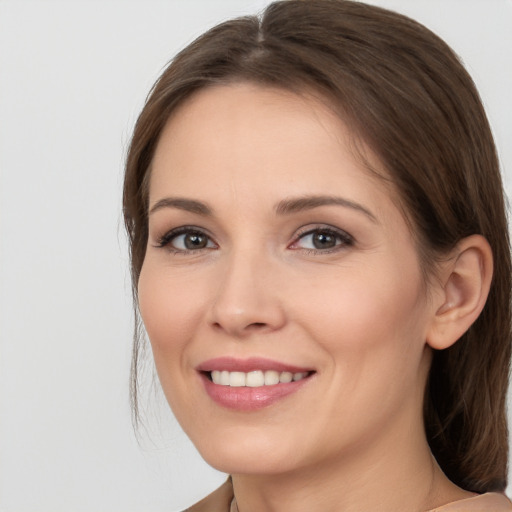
(186, 240)
(323, 240)
(193, 241)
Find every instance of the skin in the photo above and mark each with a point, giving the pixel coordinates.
(358, 313)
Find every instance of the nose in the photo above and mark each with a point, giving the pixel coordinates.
(247, 299)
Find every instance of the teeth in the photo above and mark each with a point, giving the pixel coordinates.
(271, 378)
(224, 378)
(237, 379)
(255, 378)
(286, 377)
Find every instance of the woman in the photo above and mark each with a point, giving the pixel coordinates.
(320, 258)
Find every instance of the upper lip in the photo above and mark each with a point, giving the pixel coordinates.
(251, 364)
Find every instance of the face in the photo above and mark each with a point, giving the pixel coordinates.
(281, 288)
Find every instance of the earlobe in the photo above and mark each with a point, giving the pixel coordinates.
(464, 288)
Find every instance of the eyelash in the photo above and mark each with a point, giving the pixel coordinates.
(166, 240)
(345, 240)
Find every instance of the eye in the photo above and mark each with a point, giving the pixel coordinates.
(322, 240)
(186, 239)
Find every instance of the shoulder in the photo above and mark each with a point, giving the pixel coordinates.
(218, 501)
(489, 502)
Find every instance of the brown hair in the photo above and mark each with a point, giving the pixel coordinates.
(405, 93)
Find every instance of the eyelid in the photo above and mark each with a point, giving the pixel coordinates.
(165, 240)
(347, 240)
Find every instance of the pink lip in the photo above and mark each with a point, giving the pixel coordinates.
(248, 365)
(247, 398)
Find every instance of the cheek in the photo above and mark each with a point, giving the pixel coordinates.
(170, 308)
(371, 317)
(372, 329)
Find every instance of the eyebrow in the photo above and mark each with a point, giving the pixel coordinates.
(181, 203)
(298, 204)
(284, 207)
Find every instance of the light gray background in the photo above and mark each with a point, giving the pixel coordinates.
(73, 76)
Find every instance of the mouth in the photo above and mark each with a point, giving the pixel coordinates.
(255, 378)
(251, 384)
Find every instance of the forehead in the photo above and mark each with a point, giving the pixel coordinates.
(240, 111)
(247, 137)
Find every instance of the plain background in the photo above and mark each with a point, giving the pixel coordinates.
(73, 77)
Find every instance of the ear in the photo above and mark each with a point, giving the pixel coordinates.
(462, 291)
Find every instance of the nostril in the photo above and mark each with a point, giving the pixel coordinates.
(257, 325)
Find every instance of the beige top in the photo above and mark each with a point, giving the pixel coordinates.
(221, 500)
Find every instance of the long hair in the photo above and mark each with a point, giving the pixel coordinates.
(403, 92)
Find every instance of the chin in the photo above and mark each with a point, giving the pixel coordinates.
(251, 455)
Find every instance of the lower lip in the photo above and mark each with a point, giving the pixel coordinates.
(247, 398)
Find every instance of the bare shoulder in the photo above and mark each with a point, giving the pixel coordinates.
(489, 502)
(218, 501)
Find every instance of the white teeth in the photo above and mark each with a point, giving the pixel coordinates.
(255, 378)
(271, 378)
(286, 377)
(237, 379)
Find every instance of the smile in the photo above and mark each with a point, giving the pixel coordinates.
(251, 384)
(255, 378)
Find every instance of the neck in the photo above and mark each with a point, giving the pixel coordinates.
(396, 474)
